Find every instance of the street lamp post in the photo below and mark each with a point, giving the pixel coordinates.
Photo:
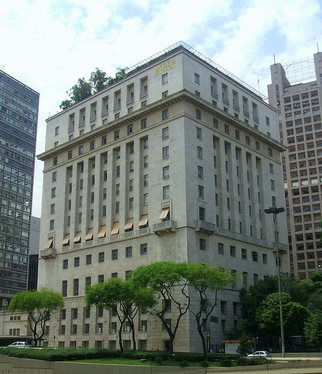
(275, 211)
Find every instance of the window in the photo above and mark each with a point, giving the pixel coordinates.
(116, 134)
(52, 209)
(166, 192)
(115, 254)
(201, 192)
(54, 176)
(146, 199)
(76, 262)
(198, 114)
(53, 192)
(202, 213)
(143, 249)
(103, 211)
(81, 150)
(165, 114)
(145, 143)
(200, 172)
(64, 288)
(131, 202)
(146, 180)
(202, 244)
(131, 166)
(165, 153)
(165, 133)
(197, 78)
(65, 264)
(117, 189)
(146, 161)
(254, 256)
(88, 259)
(129, 129)
(75, 287)
(164, 78)
(264, 258)
(232, 251)
(51, 224)
(165, 172)
(272, 185)
(220, 248)
(199, 133)
(117, 207)
(104, 140)
(244, 253)
(131, 184)
(117, 171)
(128, 252)
(101, 257)
(143, 123)
(199, 152)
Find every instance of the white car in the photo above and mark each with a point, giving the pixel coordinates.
(18, 345)
(260, 354)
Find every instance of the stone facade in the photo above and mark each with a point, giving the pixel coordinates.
(176, 162)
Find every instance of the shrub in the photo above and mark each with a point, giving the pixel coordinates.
(226, 362)
(184, 363)
(204, 363)
(158, 360)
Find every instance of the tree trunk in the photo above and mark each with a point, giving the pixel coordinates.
(120, 338)
(133, 335)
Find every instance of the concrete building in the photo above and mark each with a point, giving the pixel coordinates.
(176, 162)
(18, 123)
(296, 93)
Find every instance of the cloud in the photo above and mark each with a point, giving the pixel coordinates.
(49, 44)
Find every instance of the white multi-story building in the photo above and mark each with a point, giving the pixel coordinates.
(176, 162)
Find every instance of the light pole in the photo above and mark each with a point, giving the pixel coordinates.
(275, 211)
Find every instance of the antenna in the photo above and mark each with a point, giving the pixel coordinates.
(317, 46)
(274, 58)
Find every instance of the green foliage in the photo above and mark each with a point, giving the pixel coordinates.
(313, 330)
(39, 305)
(244, 346)
(158, 360)
(85, 88)
(184, 364)
(268, 315)
(204, 363)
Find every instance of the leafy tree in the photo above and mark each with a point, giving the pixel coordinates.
(80, 91)
(65, 104)
(167, 280)
(268, 316)
(313, 330)
(39, 305)
(122, 297)
(206, 281)
(251, 299)
(244, 345)
(98, 80)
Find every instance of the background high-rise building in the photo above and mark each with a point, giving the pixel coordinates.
(18, 129)
(175, 162)
(296, 93)
(33, 253)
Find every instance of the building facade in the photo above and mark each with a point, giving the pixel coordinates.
(176, 162)
(18, 122)
(33, 253)
(296, 93)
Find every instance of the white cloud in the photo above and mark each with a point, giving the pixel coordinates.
(49, 44)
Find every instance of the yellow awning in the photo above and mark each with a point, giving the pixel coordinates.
(49, 243)
(77, 237)
(89, 235)
(102, 232)
(129, 225)
(143, 221)
(164, 213)
(66, 239)
(115, 229)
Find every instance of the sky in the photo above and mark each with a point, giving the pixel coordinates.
(49, 44)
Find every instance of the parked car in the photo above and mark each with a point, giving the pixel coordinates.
(260, 354)
(18, 345)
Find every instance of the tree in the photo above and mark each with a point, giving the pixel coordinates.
(251, 299)
(167, 280)
(80, 91)
(206, 281)
(98, 80)
(39, 305)
(244, 346)
(268, 316)
(313, 330)
(65, 104)
(123, 298)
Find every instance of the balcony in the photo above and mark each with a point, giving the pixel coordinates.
(48, 253)
(207, 227)
(164, 226)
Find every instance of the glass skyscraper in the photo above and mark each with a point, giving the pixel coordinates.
(18, 130)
